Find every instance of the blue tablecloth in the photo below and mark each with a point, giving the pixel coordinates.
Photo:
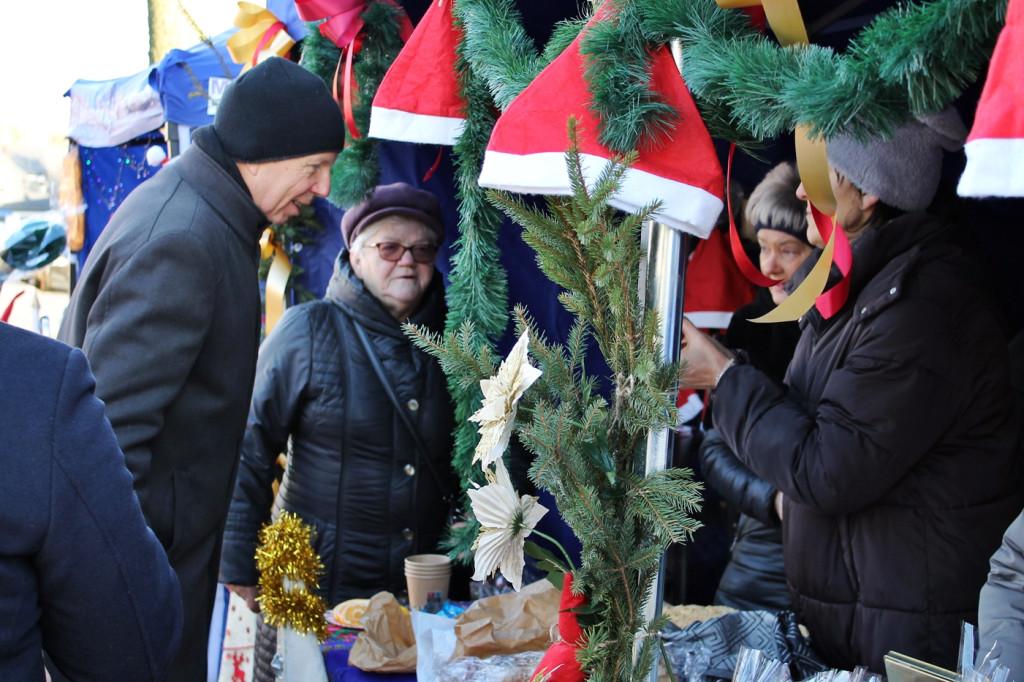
(336, 649)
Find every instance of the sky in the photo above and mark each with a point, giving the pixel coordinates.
(47, 46)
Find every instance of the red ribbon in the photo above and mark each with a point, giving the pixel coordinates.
(829, 302)
(739, 254)
(6, 315)
(343, 22)
(437, 162)
(349, 84)
(268, 36)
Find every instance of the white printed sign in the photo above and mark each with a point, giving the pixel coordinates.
(215, 88)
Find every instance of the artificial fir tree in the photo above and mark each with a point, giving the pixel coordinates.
(586, 445)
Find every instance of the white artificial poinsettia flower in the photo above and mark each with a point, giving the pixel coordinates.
(505, 521)
(502, 392)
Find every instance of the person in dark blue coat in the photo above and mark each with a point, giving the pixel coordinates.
(81, 575)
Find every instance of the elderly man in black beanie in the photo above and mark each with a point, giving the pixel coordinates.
(167, 310)
(894, 440)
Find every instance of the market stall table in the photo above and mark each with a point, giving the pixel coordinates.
(336, 649)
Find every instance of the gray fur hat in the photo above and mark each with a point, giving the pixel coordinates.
(902, 171)
(773, 205)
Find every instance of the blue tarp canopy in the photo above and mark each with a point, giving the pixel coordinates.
(178, 89)
(183, 79)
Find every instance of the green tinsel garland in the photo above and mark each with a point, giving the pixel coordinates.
(749, 89)
(616, 54)
(478, 288)
(914, 58)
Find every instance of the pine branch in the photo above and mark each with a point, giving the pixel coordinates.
(497, 47)
(462, 355)
(668, 497)
(899, 66)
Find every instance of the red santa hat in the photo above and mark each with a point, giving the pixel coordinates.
(526, 152)
(418, 100)
(559, 663)
(715, 286)
(995, 146)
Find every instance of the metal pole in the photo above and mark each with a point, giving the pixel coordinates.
(663, 294)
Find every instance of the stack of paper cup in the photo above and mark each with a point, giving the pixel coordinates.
(427, 577)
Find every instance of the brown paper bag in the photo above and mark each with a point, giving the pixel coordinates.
(386, 644)
(508, 623)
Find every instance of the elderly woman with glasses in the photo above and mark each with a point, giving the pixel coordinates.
(363, 416)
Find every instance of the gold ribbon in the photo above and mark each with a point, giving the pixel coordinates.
(783, 16)
(260, 35)
(811, 160)
(277, 277)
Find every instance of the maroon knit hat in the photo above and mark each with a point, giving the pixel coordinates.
(394, 199)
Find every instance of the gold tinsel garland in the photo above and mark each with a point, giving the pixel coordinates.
(285, 552)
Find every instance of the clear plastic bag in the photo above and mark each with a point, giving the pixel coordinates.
(989, 669)
(517, 667)
(752, 665)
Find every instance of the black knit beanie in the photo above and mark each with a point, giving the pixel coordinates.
(278, 110)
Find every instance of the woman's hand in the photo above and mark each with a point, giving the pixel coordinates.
(249, 594)
(704, 357)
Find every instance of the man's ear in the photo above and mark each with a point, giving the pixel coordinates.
(867, 201)
(248, 169)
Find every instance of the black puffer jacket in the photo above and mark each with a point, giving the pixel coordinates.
(755, 577)
(354, 472)
(895, 448)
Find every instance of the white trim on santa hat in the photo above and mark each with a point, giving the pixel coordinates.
(419, 99)
(994, 168)
(392, 124)
(689, 409)
(687, 208)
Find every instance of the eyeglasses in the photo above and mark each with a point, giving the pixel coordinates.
(393, 251)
